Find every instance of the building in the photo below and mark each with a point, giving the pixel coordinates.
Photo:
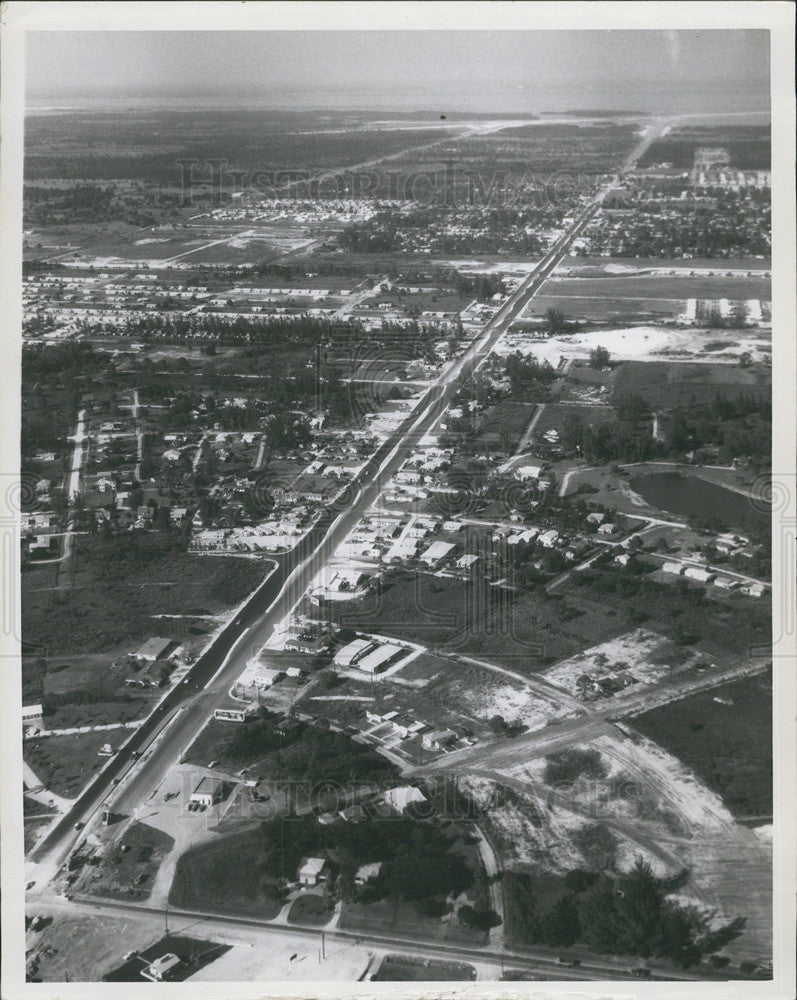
(367, 873)
(160, 969)
(353, 814)
(154, 649)
(207, 792)
(378, 718)
(353, 651)
(549, 538)
(313, 870)
(726, 583)
(399, 799)
(231, 714)
(436, 553)
(672, 567)
(607, 529)
(33, 715)
(438, 739)
(697, 574)
(465, 562)
(267, 677)
(378, 659)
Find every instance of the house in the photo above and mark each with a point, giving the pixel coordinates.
(160, 968)
(465, 562)
(367, 873)
(607, 529)
(266, 677)
(697, 574)
(399, 799)
(596, 517)
(452, 526)
(171, 455)
(327, 819)
(32, 715)
(436, 552)
(438, 739)
(404, 548)
(353, 814)
(379, 658)
(105, 485)
(155, 649)
(349, 654)
(526, 472)
(42, 487)
(726, 583)
(672, 567)
(753, 590)
(549, 538)
(313, 870)
(177, 514)
(377, 718)
(622, 559)
(207, 792)
(404, 726)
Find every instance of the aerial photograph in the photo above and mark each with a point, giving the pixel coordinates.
(395, 552)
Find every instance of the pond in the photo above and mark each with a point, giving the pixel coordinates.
(688, 496)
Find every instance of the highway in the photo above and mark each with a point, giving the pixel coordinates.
(182, 713)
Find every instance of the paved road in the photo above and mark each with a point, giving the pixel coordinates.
(599, 722)
(181, 714)
(541, 960)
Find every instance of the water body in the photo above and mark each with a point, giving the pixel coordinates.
(688, 496)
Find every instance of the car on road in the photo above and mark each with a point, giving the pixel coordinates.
(79, 825)
(213, 763)
(128, 955)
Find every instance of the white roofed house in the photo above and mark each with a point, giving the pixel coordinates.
(672, 567)
(399, 799)
(367, 873)
(438, 739)
(436, 553)
(549, 538)
(313, 870)
(697, 574)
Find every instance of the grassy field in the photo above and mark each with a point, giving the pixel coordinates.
(664, 385)
(727, 743)
(592, 307)
(116, 587)
(400, 969)
(310, 909)
(716, 286)
(66, 764)
(225, 878)
(392, 916)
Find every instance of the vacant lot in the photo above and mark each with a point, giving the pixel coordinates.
(400, 969)
(66, 764)
(128, 869)
(666, 286)
(117, 585)
(664, 385)
(725, 737)
(226, 877)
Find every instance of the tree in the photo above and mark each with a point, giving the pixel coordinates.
(599, 357)
(555, 321)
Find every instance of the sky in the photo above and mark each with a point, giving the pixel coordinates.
(496, 71)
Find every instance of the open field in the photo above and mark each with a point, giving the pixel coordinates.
(398, 968)
(117, 586)
(224, 877)
(717, 286)
(725, 737)
(66, 763)
(665, 385)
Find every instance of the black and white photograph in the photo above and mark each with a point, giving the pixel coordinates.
(398, 499)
